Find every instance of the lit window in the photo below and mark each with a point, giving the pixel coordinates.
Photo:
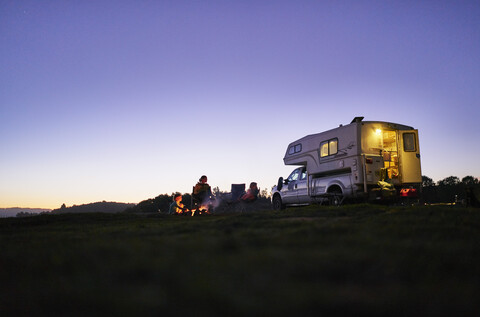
(332, 147)
(324, 149)
(329, 147)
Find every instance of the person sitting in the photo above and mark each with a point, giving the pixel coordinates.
(251, 194)
(202, 192)
(176, 207)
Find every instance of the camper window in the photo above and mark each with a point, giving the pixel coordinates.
(332, 147)
(324, 149)
(409, 142)
(329, 147)
(295, 149)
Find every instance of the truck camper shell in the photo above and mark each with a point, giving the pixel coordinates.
(351, 160)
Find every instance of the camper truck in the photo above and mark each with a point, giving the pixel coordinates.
(363, 160)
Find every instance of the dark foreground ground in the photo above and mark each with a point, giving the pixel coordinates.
(351, 260)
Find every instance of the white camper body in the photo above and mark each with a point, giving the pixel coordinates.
(350, 162)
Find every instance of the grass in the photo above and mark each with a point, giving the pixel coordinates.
(351, 260)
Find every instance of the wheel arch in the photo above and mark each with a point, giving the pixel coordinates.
(336, 187)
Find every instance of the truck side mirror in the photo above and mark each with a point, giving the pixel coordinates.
(280, 183)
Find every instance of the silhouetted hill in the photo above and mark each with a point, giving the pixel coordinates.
(106, 207)
(12, 212)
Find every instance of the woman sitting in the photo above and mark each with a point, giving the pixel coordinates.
(251, 194)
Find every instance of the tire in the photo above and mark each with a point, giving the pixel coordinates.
(277, 203)
(336, 197)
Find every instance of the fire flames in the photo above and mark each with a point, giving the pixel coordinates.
(201, 210)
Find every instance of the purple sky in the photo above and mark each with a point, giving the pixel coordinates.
(126, 100)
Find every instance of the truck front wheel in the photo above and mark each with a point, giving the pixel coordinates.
(277, 203)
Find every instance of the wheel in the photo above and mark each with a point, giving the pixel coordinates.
(277, 203)
(336, 197)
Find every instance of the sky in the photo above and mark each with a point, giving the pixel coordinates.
(126, 100)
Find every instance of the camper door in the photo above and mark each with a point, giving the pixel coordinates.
(409, 157)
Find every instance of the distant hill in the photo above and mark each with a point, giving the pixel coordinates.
(106, 207)
(12, 212)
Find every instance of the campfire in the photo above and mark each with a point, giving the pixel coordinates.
(201, 210)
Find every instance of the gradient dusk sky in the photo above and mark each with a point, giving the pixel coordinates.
(125, 100)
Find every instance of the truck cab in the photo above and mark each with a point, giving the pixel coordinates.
(294, 189)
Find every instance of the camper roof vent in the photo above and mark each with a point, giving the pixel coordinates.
(357, 119)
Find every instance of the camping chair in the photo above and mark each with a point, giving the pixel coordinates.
(237, 191)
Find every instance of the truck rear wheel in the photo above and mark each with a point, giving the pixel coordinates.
(336, 197)
(277, 203)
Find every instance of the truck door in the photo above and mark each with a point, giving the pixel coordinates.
(290, 189)
(302, 187)
(409, 157)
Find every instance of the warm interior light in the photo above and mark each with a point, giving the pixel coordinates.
(378, 131)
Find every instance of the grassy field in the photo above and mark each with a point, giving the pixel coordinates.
(350, 260)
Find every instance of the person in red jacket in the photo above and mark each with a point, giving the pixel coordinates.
(251, 194)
